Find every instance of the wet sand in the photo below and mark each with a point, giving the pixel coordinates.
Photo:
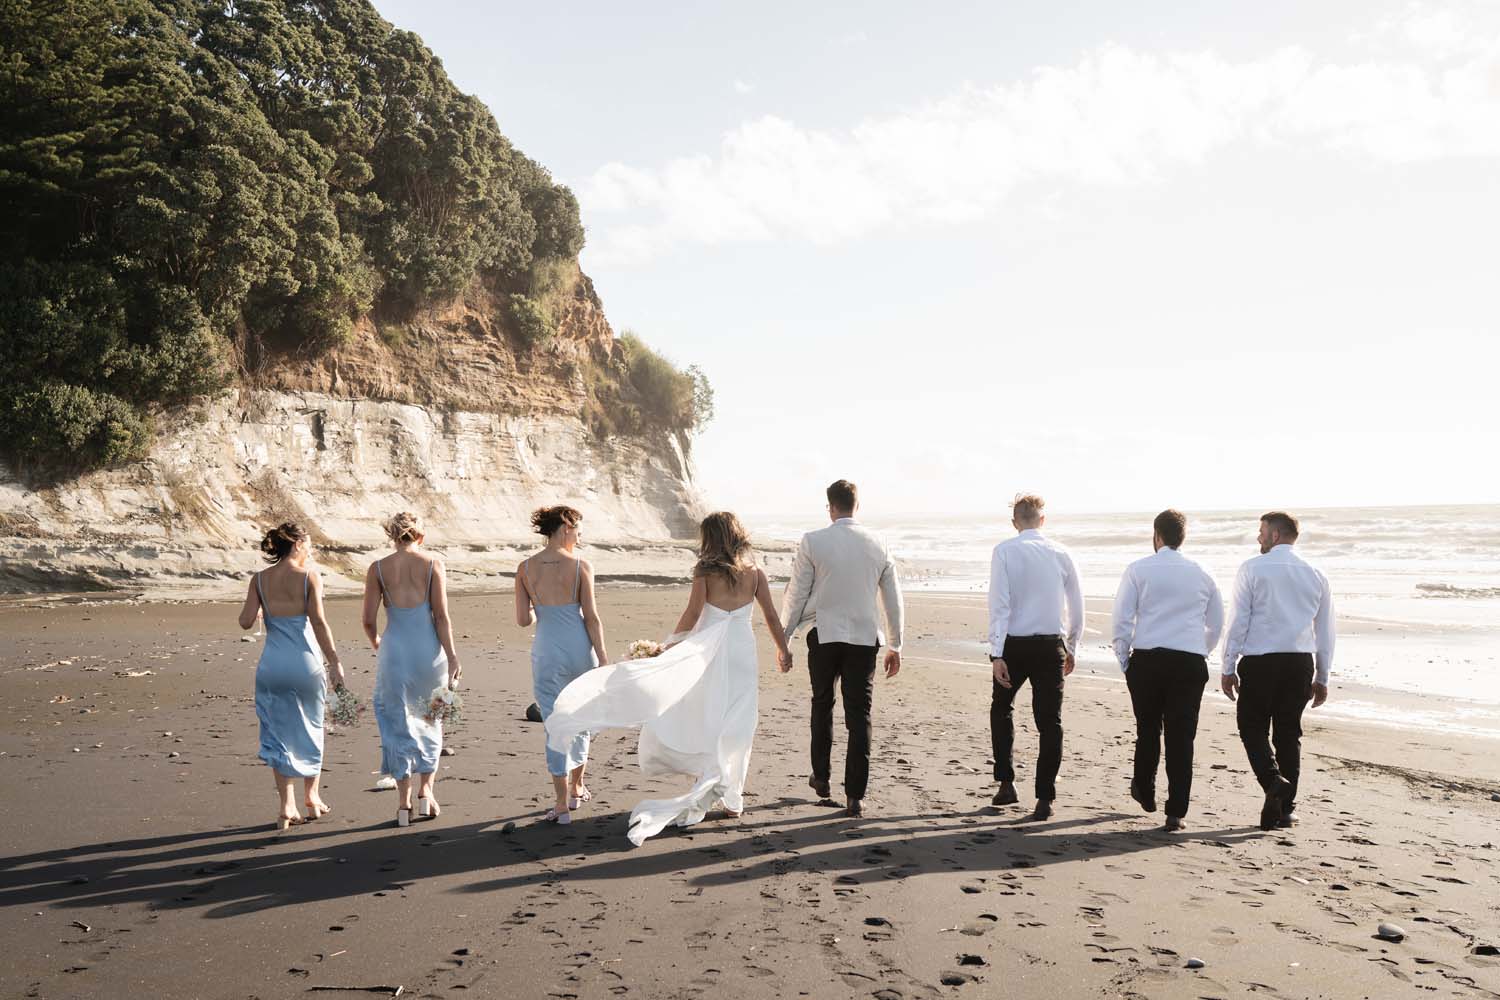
(139, 860)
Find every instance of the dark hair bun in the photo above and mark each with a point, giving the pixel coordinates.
(546, 520)
(280, 540)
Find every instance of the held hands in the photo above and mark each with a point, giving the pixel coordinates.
(1231, 685)
(892, 663)
(1001, 671)
(1318, 693)
(784, 659)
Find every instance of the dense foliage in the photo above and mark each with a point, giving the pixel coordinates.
(186, 183)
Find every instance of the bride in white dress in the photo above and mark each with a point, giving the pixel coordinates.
(696, 703)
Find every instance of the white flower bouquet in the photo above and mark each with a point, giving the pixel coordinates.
(645, 649)
(345, 708)
(445, 704)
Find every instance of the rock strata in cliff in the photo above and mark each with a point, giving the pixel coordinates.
(192, 513)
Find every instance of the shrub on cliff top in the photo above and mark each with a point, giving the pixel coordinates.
(678, 400)
(180, 182)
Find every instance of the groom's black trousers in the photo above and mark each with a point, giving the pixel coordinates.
(853, 668)
(1038, 659)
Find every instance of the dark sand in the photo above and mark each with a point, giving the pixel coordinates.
(139, 861)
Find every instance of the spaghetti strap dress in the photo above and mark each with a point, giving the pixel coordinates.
(410, 664)
(290, 692)
(561, 652)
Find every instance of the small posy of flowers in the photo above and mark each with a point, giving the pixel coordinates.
(345, 709)
(644, 649)
(445, 704)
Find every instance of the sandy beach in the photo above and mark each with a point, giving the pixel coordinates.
(140, 862)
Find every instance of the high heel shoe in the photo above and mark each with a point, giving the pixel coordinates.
(282, 822)
(560, 818)
(428, 808)
(403, 817)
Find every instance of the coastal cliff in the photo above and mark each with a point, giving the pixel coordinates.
(447, 417)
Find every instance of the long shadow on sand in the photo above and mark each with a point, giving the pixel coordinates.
(226, 873)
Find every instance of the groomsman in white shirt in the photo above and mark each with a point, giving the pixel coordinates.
(1277, 656)
(1033, 582)
(1168, 617)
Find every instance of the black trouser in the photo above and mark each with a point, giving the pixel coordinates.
(1166, 689)
(1038, 659)
(1274, 689)
(853, 667)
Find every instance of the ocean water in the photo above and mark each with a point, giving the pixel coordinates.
(1416, 589)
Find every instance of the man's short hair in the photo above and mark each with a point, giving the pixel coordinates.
(843, 495)
(1280, 520)
(1171, 526)
(1027, 508)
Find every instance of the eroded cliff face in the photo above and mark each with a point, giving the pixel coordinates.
(445, 415)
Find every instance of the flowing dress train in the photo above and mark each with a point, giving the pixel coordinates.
(696, 706)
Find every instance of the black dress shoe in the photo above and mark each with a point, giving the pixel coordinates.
(1174, 823)
(820, 788)
(1274, 806)
(1287, 820)
(1043, 809)
(1146, 799)
(855, 808)
(1006, 796)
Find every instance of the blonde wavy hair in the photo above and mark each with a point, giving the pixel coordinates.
(723, 548)
(404, 526)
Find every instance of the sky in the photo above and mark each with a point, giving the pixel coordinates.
(1127, 256)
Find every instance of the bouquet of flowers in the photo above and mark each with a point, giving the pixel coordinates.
(644, 649)
(445, 704)
(345, 708)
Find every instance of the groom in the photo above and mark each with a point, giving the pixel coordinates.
(834, 581)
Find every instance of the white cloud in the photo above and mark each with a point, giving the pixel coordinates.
(1428, 88)
(741, 87)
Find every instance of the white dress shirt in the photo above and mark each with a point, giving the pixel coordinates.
(836, 577)
(1032, 578)
(1167, 601)
(1282, 604)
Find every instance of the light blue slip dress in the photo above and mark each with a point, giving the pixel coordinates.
(560, 652)
(290, 692)
(410, 664)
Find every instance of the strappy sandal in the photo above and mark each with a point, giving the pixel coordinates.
(282, 822)
(560, 818)
(584, 795)
(403, 817)
(428, 808)
(317, 812)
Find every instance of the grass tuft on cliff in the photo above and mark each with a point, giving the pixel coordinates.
(182, 183)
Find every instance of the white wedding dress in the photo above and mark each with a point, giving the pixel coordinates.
(696, 706)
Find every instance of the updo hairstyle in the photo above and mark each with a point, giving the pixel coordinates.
(547, 520)
(404, 527)
(280, 540)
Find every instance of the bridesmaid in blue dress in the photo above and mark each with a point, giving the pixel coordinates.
(290, 687)
(555, 590)
(414, 656)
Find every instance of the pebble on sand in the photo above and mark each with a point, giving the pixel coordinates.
(1390, 932)
(1495, 796)
(1195, 963)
